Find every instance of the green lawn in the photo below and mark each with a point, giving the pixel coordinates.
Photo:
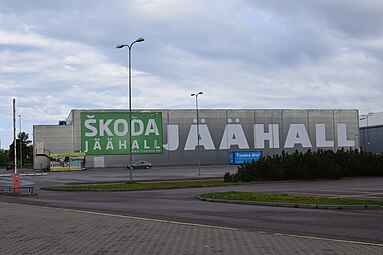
(139, 185)
(283, 198)
(231, 195)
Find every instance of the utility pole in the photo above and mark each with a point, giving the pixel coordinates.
(21, 146)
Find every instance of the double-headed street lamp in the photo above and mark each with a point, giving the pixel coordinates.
(130, 99)
(365, 117)
(196, 107)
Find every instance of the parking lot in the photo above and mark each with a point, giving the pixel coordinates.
(181, 224)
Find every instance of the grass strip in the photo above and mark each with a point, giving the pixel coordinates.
(284, 198)
(138, 185)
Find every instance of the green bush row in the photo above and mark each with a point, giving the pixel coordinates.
(310, 165)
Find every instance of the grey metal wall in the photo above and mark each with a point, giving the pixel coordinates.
(49, 139)
(371, 139)
(220, 127)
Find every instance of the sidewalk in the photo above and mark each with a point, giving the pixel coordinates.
(40, 230)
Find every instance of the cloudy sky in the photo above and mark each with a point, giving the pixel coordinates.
(60, 55)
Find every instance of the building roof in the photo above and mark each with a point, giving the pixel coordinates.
(371, 119)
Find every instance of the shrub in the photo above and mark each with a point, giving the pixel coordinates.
(310, 165)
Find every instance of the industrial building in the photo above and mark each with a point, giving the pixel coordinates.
(371, 138)
(371, 132)
(169, 137)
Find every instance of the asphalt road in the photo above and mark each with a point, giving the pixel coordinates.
(181, 205)
(42, 179)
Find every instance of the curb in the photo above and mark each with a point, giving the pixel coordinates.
(293, 205)
(6, 193)
(26, 174)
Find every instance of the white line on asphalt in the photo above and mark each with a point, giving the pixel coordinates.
(147, 219)
(326, 239)
(359, 195)
(201, 225)
(128, 217)
(32, 174)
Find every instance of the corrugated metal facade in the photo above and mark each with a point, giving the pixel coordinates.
(221, 131)
(371, 138)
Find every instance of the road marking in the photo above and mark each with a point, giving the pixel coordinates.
(146, 219)
(31, 174)
(128, 217)
(358, 195)
(200, 225)
(327, 239)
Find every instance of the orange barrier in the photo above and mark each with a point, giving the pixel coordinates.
(16, 183)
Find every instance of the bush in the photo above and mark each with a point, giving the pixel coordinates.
(310, 165)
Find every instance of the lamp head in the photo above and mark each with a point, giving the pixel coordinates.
(196, 94)
(141, 39)
(120, 46)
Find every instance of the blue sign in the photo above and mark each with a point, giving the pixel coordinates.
(240, 157)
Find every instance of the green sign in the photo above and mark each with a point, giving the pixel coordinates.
(108, 133)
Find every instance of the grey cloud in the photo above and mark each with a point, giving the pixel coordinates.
(242, 54)
(355, 18)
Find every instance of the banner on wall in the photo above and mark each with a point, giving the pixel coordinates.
(104, 133)
(241, 157)
(67, 161)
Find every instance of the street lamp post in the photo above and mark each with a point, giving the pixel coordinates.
(272, 131)
(21, 148)
(196, 107)
(365, 117)
(130, 100)
(14, 136)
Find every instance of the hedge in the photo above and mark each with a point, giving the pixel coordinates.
(321, 164)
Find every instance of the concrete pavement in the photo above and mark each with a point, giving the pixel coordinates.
(29, 229)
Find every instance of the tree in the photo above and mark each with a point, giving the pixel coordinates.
(26, 147)
(3, 157)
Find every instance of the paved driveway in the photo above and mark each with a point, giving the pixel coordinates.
(321, 231)
(41, 230)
